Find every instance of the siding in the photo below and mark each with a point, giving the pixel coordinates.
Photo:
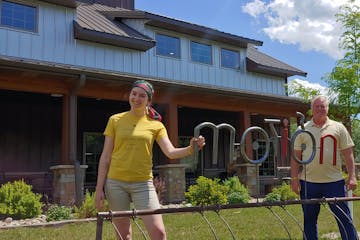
(55, 43)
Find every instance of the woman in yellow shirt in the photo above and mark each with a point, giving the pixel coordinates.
(125, 167)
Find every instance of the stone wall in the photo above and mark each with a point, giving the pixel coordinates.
(174, 177)
(64, 192)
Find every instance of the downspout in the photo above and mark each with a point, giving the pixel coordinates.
(73, 138)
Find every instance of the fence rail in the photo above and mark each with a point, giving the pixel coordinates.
(101, 216)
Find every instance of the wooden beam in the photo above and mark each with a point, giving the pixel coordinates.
(172, 124)
(65, 144)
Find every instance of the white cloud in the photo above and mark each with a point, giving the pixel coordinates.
(316, 86)
(309, 23)
(323, 90)
(255, 8)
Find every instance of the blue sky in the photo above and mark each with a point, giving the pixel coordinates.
(301, 33)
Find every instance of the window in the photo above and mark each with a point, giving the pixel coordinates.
(201, 53)
(92, 147)
(267, 168)
(167, 46)
(230, 59)
(18, 16)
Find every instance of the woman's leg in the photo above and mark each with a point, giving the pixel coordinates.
(119, 200)
(144, 197)
(155, 226)
(123, 228)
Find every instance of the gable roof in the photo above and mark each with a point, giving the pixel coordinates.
(104, 20)
(259, 62)
(183, 27)
(92, 25)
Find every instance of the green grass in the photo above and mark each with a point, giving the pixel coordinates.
(250, 223)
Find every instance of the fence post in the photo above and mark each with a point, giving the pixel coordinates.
(99, 226)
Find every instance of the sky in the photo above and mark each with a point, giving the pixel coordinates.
(301, 33)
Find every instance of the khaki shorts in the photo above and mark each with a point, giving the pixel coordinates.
(121, 194)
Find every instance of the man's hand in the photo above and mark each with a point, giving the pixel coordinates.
(351, 183)
(295, 185)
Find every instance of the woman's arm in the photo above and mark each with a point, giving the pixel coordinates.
(174, 153)
(103, 169)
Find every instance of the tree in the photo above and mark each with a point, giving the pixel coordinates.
(343, 81)
(296, 88)
(356, 138)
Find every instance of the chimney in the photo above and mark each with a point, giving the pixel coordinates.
(128, 4)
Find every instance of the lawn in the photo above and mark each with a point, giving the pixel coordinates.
(246, 223)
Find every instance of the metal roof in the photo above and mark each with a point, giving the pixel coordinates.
(180, 26)
(92, 25)
(262, 63)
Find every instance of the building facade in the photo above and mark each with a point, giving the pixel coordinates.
(66, 66)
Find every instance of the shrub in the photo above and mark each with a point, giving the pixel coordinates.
(272, 197)
(284, 191)
(207, 192)
(237, 197)
(88, 209)
(56, 213)
(356, 192)
(18, 201)
(238, 193)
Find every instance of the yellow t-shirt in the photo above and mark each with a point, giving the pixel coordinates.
(328, 167)
(134, 136)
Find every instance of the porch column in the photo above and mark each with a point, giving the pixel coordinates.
(79, 185)
(172, 125)
(245, 124)
(248, 172)
(65, 131)
(69, 142)
(173, 173)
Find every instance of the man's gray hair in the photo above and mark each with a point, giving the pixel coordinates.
(321, 97)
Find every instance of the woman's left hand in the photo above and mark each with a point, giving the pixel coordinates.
(200, 141)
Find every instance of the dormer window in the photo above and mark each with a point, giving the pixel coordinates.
(167, 46)
(230, 59)
(201, 53)
(18, 16)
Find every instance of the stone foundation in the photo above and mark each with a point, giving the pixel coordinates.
(174, 176)
(247, 175)
(64, 192)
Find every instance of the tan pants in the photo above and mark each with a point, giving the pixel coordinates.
(121, 194)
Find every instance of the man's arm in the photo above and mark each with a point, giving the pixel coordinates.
(294, 172)
(348, 156)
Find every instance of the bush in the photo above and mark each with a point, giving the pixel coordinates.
(272, 197)
(356, 192)
(238, 193)
(56, 213)
(18, 201)
(88, 209)
(207, 192)
(285, 193)
(237, 197)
